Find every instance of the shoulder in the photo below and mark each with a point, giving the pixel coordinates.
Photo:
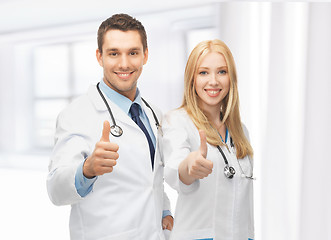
(245, 130)
(153, 108)
(178, 120)
(78, 108)
(177, 116)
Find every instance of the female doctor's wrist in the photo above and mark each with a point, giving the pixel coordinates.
(183, 172)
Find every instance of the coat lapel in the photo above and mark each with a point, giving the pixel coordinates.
(119, 115)
(151, 119)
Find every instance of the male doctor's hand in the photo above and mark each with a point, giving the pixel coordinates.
(167, 222)
(195, 165)
(104, 156)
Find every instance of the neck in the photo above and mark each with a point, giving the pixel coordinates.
(214, 117)
(128, 93)
(212, 113)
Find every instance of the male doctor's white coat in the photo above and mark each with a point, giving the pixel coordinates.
(125, 204)
(214, 207)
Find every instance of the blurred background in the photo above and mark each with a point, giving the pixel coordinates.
(283, 56)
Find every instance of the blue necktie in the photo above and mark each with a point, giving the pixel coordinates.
(134, 110)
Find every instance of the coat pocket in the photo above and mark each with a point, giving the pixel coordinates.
(128, 235)
(207, 233)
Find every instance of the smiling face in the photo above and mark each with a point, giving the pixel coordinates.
(212, 81)
(122, 59)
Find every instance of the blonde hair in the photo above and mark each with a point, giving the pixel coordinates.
(229, 106)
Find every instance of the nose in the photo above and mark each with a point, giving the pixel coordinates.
(124, 63)
(213, 79)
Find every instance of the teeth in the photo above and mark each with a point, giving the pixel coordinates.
(123, 74)
(213, 91)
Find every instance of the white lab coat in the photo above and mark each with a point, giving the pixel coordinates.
(214, 207)
(124, 204)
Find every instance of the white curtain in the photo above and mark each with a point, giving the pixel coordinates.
(315, 210)
(283, 57)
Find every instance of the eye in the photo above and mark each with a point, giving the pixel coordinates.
(222, 72)
(113, 54)
(133, 53)
(203, 73)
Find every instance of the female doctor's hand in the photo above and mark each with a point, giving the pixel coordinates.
(195, 165)
(104, 156)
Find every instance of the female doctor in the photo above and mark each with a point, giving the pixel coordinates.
(207, 151)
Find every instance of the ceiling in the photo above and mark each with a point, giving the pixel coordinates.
(23, 15)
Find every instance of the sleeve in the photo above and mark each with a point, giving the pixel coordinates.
(83, 184)
(166, 202)
(166, 213)
(70, 150)
(245, 131)
(166, 205)
(176, 147)
(251, 197)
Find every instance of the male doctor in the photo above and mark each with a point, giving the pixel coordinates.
(114, 184)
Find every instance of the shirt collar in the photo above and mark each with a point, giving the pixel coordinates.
(123, 102)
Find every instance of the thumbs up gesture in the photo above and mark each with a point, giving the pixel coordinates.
(104, 156)
(203, 144)
(195, 165)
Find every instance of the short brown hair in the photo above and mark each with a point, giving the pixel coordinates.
(123, 22)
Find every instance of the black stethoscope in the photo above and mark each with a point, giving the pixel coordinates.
(116, 130)
(229, 171)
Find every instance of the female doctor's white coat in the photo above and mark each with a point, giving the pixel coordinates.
(125, 204)
(214, 207)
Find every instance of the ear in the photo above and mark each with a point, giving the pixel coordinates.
(99, 57)
(145, 56)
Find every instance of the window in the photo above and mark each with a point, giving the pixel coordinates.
(61, 72)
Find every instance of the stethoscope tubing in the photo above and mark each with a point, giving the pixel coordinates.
(107, 105)
(229, 171)
(115, 129)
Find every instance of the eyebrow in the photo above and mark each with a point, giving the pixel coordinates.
(208, 67)
(117, 49)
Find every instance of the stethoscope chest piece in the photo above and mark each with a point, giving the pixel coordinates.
(116, 131)
(229, 172)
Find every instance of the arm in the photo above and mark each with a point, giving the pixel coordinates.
(167, 219)
(195, 165)
(101, 161)
(70, 151)
(83, 184)
(181, 163)
(104, 156)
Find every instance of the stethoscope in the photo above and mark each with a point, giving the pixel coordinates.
(116, 130)
(229, 171)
